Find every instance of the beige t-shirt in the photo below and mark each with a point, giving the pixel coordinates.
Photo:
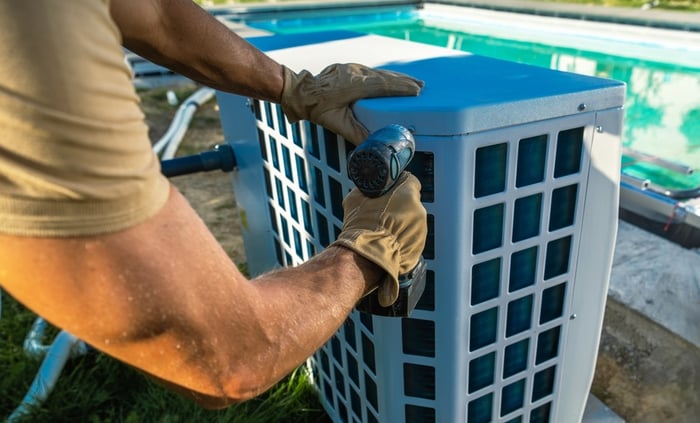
(75, 158)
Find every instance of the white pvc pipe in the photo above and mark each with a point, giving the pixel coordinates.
(64, 346)
(33, 342)
(179, 132)
(174, 125)
(170, 141)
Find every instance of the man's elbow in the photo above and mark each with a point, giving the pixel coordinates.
(234, 389)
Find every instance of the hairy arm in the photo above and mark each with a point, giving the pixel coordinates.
(165, 298)
(180, 35)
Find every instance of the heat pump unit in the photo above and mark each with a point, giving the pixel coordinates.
(519, 168)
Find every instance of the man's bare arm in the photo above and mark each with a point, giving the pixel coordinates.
(164, 297)
(182, 36)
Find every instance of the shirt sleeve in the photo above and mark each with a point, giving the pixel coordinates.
(75, 157)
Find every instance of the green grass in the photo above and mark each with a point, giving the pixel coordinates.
(98, 389)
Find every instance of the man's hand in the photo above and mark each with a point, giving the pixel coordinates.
(326, 98)
(389, 230)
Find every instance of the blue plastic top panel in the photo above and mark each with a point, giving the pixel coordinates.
(463, 93)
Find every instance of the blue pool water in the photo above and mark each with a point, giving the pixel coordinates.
(662, 115)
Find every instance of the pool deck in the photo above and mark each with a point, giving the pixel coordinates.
(665, 19)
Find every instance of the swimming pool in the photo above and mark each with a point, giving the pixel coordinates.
(660, 67)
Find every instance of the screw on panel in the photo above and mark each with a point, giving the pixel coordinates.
(572, 317)
(582, 107)
(599, 129)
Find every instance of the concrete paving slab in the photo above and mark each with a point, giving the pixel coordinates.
(659, 279)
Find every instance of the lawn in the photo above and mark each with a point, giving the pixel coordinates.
(95, 388)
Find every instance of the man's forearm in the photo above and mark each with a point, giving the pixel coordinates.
(294, 311)
(182, 36)
(305, 305)
(165, 298)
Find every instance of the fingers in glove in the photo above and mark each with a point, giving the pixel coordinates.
(343, 122)
(387, 293)
(396, 84)
(367, 82)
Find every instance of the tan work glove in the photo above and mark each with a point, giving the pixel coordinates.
(389, 230)
(325, 99)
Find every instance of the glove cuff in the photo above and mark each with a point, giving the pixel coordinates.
(292, 96)
(381, 249)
